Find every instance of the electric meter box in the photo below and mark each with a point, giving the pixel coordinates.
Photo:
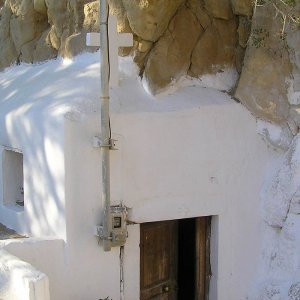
(118, 225)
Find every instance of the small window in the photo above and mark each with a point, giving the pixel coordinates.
(13, 180)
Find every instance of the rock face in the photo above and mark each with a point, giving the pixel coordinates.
(36, 30)
(172, 38)
(170, 57)
(266, 67)
(270, 79)
(150, 19)
(213, 54)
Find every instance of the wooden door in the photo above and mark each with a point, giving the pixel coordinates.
(158, 248)
(203, 272)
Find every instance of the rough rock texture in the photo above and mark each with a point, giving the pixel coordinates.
(243, 8)
(149, 19)
(173, 38)
(281, 254)
(209, 38)
(220, 9)
(281, 194)
(37, 30)
(216, 48)
(267, 67)
(170, 57)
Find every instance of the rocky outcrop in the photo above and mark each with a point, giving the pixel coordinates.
(37, 30)
(216, 48)
(281, 199)
(172, 38)
(170, 57)
(263, 84)
(150, 19)
(270, 80)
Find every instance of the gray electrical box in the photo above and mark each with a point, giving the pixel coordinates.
(118, 225)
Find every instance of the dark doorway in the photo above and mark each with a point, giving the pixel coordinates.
(175, 259)
(186, 259)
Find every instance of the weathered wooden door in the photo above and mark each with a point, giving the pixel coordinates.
(203, 273)
(158, 248)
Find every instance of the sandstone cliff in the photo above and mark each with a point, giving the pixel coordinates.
(174, 38)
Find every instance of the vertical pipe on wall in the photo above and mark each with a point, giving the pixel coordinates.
(105, 126)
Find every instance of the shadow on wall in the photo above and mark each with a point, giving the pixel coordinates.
(34, 101)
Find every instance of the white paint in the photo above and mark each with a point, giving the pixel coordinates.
(280, 259)
(21, 281)
(277, 136)
(116, 40)
(216, 168)
(225, 80)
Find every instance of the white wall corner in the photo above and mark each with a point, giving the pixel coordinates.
(21, 281)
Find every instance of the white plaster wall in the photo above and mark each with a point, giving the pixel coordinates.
(201, 161)
(35, 131)
(170, 165)
(20, 281)
(192, 154)
(215, 168)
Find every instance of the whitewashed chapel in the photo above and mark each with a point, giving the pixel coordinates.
(188, 166)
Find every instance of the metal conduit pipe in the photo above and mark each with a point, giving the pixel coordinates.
(105, 126)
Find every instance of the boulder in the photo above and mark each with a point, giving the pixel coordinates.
(58, 15)
(216, 48)
(170, 57)
(116, 8)
(6, 14)
(75, 44)
(91, 17)
(263, 85)
(27, 52)
(219, 8)
(40, 6)
(242, 7)
(244, 31)
(8, 53)
(149, 19)
(197, 7)
(43, 49)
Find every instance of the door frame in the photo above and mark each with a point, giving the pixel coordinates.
(203, 259)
